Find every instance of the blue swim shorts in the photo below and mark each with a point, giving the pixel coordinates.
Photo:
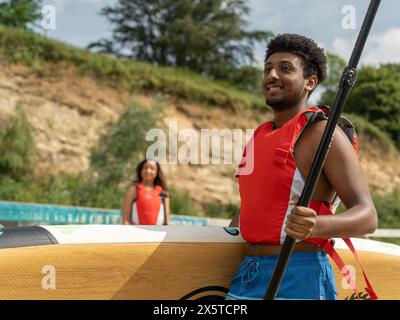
(309, 275)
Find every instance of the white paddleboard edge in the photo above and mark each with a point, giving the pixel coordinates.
(90, 234)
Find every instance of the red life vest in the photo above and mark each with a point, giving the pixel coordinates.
(269, 179)
(147, 208)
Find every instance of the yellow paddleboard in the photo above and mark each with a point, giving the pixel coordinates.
(151, 262)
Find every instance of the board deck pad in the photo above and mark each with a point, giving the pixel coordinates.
(154, 262)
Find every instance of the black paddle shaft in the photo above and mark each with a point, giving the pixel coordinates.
(346, 84)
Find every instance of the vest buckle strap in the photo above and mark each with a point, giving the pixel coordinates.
(281, 155)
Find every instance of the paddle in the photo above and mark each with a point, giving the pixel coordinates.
(346, 83)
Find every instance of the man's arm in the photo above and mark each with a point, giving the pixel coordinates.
(343, 173)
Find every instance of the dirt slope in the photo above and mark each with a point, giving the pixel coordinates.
(69, 113)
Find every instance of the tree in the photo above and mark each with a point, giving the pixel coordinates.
(123, 143)
(247, 77)
(336, 66)
(376, 97)
(19, 13)
(17, 147)
(206, 36)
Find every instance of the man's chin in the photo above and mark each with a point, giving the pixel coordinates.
(280, 105)
(274, 103)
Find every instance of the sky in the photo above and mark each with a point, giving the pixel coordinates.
(334, 24)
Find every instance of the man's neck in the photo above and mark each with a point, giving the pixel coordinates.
(283, 116)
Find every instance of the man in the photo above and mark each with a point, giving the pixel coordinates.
(283, 151)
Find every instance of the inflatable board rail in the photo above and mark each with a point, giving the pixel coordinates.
(151, 262)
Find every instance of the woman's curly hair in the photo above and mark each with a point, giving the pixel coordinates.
(315, 62)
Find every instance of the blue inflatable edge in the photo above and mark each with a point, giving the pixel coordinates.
(49, 214)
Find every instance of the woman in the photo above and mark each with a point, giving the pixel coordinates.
(146, 202)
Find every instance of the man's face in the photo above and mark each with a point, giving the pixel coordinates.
(284, 85)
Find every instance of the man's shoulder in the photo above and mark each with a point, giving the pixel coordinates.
(313, 133)
(315, 128)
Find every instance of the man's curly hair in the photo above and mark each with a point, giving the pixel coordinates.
(314, 57)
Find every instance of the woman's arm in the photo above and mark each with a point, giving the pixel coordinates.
(235, 221)
(167, 211)
(127, 208)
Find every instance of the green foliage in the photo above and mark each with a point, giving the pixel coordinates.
(19, 13)
(12, 190)
(16, 146)
(88, 191)
(28, 189)
(336, 66)
(20, 47)
(367, 130)
(247, 78)
(180, 202)
(390, 240)
(376, 96)
(61, 190)
(388, 209)
(125, 142)
(208, 37)
(216, 209)
(213, 209)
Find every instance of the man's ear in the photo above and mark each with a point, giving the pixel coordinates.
(311, 83)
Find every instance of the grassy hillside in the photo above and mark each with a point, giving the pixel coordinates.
(21, 47)
(369, 131)
(30, 49)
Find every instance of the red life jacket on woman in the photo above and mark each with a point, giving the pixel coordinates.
(266, 190)
(148, 206)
